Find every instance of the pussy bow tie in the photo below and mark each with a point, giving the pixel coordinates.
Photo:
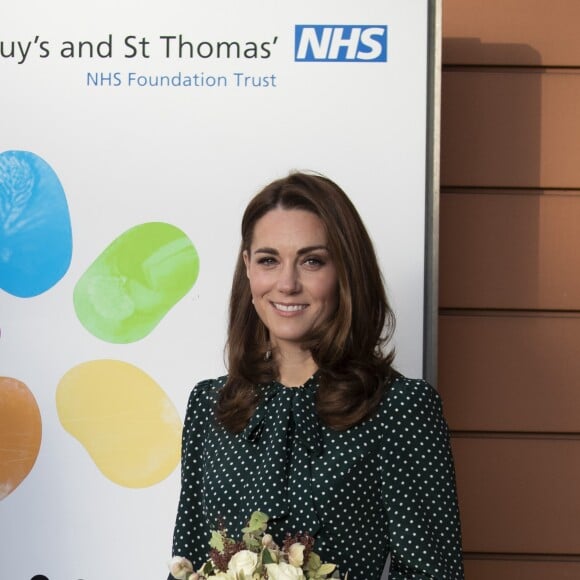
(285, 435)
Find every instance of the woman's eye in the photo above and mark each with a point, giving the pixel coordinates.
(267, 261)
(314, 262)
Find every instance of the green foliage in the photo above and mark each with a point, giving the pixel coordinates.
(252, 542)
(268, 557)
(325, 570)
(217, 541)
(254, 531)
(258, 523)
(314, 568)
(314, 562)
(207, 568)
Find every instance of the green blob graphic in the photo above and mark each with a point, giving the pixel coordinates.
(134, 283)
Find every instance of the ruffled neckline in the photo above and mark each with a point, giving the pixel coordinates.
(310, 384)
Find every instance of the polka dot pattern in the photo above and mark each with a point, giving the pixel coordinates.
(385, 485)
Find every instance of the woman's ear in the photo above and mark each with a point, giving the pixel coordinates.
(246, 257)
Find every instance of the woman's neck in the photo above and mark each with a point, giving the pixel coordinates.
(295, 366)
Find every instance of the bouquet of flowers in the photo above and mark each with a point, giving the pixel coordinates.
(257, 557)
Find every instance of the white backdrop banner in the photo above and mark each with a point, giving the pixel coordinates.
(133, 134)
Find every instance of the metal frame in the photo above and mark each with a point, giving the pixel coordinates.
(431, 280)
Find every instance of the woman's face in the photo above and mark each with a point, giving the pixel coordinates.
(292, 275)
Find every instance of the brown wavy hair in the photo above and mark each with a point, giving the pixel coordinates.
(348, 347)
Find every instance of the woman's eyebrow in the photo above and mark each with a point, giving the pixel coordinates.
(300, 252)
(266, 251)
(308, 249)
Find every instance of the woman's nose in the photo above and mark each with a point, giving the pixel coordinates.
(288, 281)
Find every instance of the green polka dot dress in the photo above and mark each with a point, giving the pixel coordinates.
(384, 486)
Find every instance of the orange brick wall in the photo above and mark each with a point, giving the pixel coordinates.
(509, 296)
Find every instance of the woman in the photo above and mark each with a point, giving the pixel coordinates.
(312, 425)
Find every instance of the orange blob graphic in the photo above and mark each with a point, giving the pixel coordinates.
(124, 420)
(20, 433)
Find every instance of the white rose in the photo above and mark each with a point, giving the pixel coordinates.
(180, 567)
(296, 554)
(267, 540)
(222, 576)
(283, 571)
(242, 564)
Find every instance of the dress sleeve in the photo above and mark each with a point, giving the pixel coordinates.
(418, 487)
(190, 536)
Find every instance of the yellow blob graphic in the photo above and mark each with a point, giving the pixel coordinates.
(20, 433)
(123, 418)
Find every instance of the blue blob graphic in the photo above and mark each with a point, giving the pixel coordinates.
(35, 229)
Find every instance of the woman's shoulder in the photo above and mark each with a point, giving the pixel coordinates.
(202, 400)
(206, 391)
(210, 385)
(404, 390)
(405, 396)
(411, 410)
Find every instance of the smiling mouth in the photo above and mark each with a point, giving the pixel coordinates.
(289, 307)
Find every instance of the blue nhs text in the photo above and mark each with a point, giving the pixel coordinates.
(340, 43)
(99, 79)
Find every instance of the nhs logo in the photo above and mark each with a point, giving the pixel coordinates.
(340, 43)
